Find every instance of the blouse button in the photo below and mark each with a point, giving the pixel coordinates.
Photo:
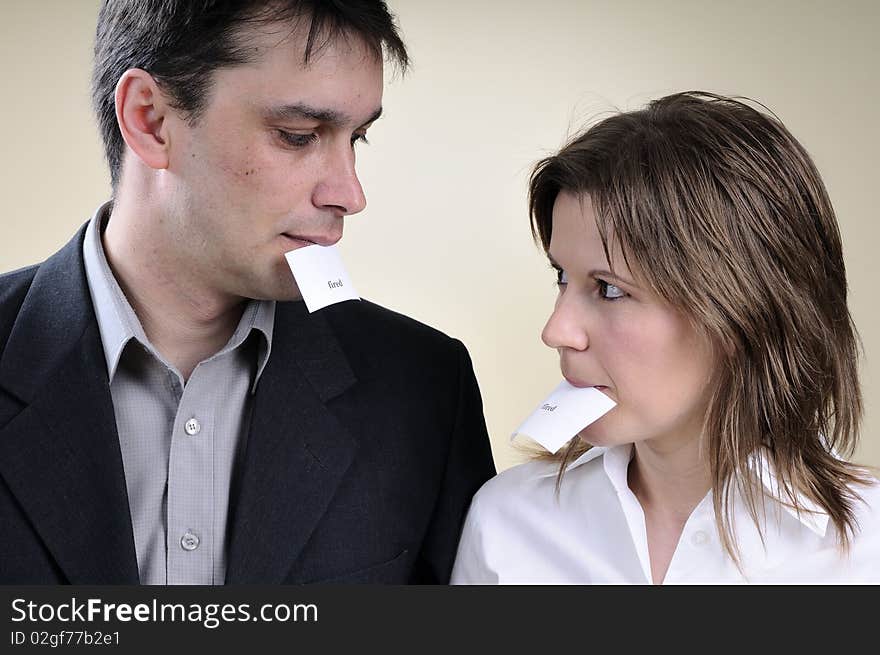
(700, 538)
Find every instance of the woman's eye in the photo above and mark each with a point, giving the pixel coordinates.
(297, 140)
(609, 291)
(561, 277)
(362, 138)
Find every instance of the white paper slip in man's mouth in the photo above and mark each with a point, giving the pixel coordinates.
(320, 276)
(564, 413)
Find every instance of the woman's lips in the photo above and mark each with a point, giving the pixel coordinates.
(580, 384)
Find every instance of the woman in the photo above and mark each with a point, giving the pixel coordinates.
(702, 287)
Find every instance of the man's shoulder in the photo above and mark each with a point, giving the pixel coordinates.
(14, 287)
(17, 281)
(381, 343)
(61, 266)
(366, 321)
(382, 317)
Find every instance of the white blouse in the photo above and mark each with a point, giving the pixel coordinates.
(519, 532)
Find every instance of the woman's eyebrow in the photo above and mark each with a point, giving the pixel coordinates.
(600, 273)
(603, 274)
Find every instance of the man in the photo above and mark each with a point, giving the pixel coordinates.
(169, 411)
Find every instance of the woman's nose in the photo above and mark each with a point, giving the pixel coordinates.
(566, 327)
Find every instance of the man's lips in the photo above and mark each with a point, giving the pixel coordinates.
(310, 240)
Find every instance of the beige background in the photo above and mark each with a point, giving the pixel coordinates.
(496, 85)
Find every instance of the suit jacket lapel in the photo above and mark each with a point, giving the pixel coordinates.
(60, 454)
(297, 450)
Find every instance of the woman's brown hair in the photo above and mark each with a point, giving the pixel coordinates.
(726, 217)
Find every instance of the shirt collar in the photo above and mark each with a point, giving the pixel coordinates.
(810, 514)
(590, 455)
(118, 323)
(258, 315)
(615, 461)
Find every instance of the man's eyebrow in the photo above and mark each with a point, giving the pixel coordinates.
(300, 111)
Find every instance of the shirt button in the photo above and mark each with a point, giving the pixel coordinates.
(189, 541)
(192, 427)
(700, 538)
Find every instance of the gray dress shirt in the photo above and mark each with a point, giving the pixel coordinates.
(180, 441)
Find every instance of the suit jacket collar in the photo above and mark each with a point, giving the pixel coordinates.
(50, 323)
(298, 451)
(60, 454)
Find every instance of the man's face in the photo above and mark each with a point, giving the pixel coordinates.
(270, 164)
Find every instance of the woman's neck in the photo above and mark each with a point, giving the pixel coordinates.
(669, 481)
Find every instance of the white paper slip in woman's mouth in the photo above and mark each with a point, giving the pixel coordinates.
(564, 413)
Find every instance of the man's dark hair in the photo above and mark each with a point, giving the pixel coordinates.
(182, 42)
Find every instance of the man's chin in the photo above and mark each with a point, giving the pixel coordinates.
(279, 285)
(282, 293)
(280, 288)
(288, 296)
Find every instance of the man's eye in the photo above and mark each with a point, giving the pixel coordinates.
(359, 137)
(609, 291)
(297, 140)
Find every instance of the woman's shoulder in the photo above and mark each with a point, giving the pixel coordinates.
(534, 482)
(867, 506)
(512, 480)
(865, 536)
(864, 549)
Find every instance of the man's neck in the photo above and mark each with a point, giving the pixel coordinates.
(184, 322)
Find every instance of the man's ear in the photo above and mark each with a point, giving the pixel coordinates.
(141, 111)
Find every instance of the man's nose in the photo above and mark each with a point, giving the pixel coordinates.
(339, 188)
(567, 325)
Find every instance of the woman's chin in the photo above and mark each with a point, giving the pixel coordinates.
(591, 438)
(598, 434)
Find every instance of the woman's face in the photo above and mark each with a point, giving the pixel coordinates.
(616, 335)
